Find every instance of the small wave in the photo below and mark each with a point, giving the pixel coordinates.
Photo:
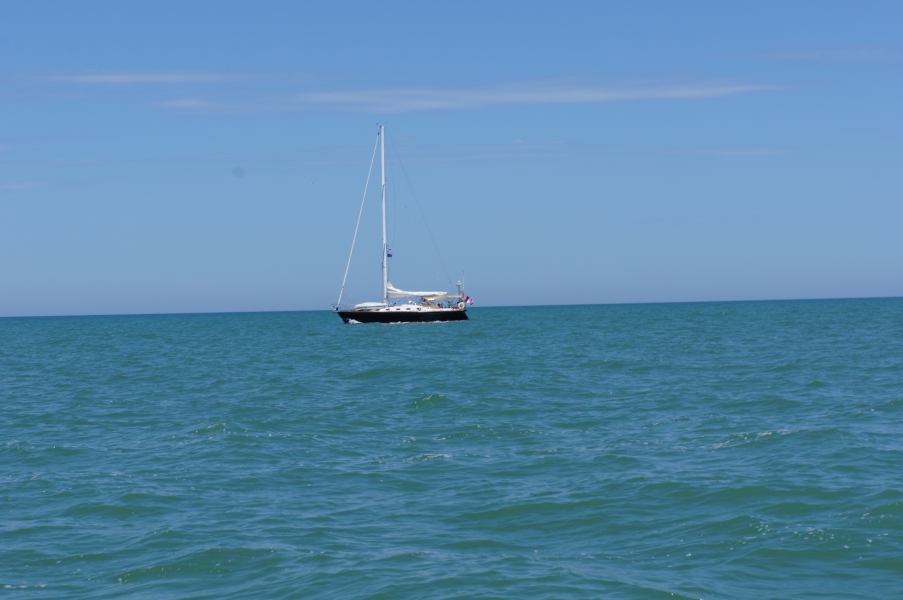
(745, 438)
(431, 400)
(218, 426)
(423, 457)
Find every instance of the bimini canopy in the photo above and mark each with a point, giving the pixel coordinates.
(394, 292)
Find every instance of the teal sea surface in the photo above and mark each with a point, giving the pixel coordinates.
(713, 450)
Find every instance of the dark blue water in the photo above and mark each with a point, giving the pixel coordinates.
(722, 450)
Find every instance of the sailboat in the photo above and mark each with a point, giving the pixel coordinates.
(431, 307)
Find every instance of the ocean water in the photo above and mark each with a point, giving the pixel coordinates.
(716, 450)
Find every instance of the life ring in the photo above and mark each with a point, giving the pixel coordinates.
(460, 305)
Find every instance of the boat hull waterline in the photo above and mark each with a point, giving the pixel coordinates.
(392, 316)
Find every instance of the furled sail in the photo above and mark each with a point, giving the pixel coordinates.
(394, 292)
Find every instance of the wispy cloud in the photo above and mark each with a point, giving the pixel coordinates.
(860, 54)
(20, 185)
(745, 151)
(548, 92)
(189, 104)
(279, 92)
(148, 78)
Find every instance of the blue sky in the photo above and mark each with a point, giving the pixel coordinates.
(195, 157)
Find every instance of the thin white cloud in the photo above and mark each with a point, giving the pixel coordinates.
(550, 92)
(254, 92)
(745, 151)
(127, 78)
(20, 185)
(189, 104)
(860, 54)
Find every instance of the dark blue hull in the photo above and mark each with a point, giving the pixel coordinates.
(413, 316)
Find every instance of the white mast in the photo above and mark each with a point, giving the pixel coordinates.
(382, 164)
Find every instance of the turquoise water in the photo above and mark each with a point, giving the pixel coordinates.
(719, 450)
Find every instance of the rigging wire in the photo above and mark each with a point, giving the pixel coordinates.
(420, 210)
(354, 239)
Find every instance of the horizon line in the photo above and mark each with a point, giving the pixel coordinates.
(317, 310)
